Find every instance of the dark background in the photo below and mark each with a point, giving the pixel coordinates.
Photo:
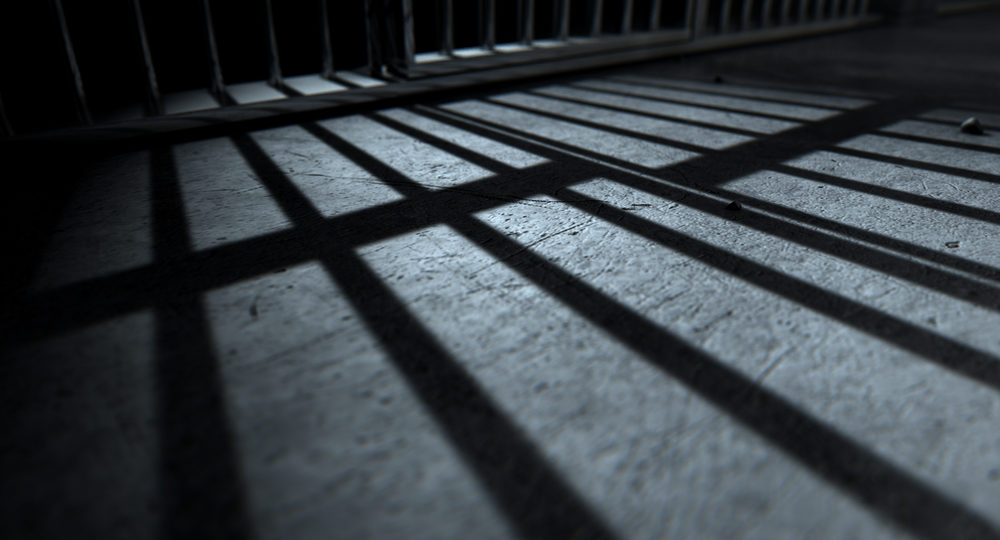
(37, 89)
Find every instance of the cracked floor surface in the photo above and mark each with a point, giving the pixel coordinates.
(531, 312)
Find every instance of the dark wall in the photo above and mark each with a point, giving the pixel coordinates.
(37, 89)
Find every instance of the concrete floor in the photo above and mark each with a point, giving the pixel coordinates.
(529, 312)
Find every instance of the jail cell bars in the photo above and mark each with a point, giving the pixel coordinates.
(205, 54)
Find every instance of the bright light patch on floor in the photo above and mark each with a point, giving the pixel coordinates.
(642, 124)
(651, 108)
(548, 43)
(866, 387)
(471, 52)
(932, 154)
(511, 47)
(332, 437)
(799, 113)
(916, 226)
(942, 132)
(224, 201)
(637, 97)
(814, 99)
(429, 57)
(313, 84)
(513, 157)
(254, 92)
(630, 439)
(630, 149)
(968, 192)
(423, 163)
(990, 120)
(333, 184)
(893, 296)
(358, 79)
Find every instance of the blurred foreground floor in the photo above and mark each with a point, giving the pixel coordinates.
(533, 312)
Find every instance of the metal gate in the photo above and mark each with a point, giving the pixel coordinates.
(324, 47)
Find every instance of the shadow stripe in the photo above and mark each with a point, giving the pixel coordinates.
(101, 298)
(475, 158)
(911, 504)
(532, 495)
(642, 112)
(915, 164)
(959, 263)
(951, 284)
(945, 352)
(721, 90)
(677, 101)
(940, 205)
(71, 306)
(908, 502)
(964, 145)
(201, 482)
(605, 128)
(988, 127)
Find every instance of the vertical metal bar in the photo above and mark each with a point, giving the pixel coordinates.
(627, 17)
(803, 15)
(654, 15)
(689, 18)
(408, 45)
(700, 17)
(489, 27)
(564, 20)
(724, 15)
(519, 20)
(218, 86)
(597, 13)
(555, 19)
(374, 19)
(529, 21)
(745, 17)
(851, 6)
(526, 21)
(765, 13)
(324, 10)
(152, 87)
(80, 98)
(5, 128)
(835, 9)
(820, 8)
(786, 12)
(864, 7)
(274, 61)
(389, 26)
(447, 23)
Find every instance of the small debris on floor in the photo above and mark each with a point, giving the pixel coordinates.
(734, 206)
(717, 79)
(952, 244)
(971, 125)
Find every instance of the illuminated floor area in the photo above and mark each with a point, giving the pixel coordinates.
(534, 312)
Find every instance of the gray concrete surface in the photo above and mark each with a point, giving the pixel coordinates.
(529, 312)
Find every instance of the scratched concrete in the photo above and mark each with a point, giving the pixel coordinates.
(529, 312)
